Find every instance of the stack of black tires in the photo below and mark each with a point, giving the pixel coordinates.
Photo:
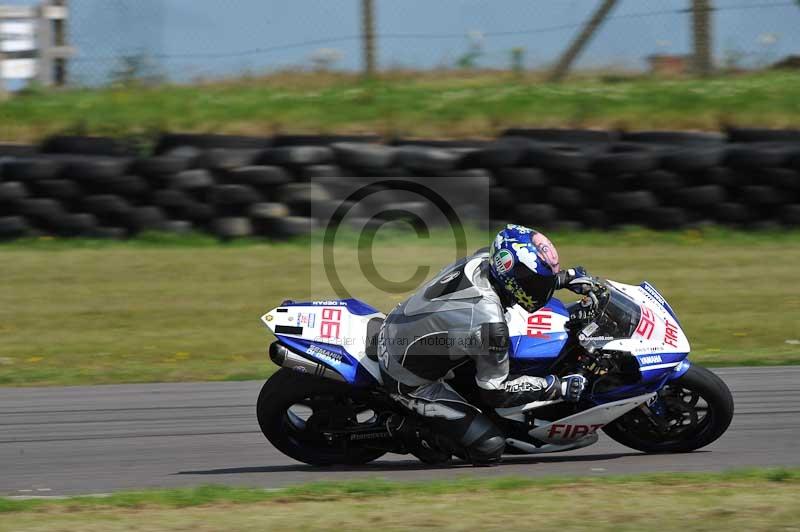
(283, 186)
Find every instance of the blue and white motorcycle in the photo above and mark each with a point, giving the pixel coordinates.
(326, 404)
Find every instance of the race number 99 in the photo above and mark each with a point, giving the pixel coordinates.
(331, 323)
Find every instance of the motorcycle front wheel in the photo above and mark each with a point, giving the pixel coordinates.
(295, 411)
(689, 413)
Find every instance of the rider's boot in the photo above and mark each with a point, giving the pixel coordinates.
(418, 440)
(486, 452)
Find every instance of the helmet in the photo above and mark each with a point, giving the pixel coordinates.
(523, 265)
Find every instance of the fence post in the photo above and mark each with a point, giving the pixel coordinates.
(3, 91)
(44, 41)
(702, 64)
(565, 61)
(368, 36)
(60, 41)
(52, 42)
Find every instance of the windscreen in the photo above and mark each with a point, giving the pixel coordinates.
(619, 317)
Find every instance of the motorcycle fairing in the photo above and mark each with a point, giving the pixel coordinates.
(652, 385)
(650, 291)
(537, 338)
(354, 306)
(585, 423)
(658, 343)
(332, 333)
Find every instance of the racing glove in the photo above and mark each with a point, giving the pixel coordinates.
(520, 390)
(572, 387)
(527, 389)
(565, 277)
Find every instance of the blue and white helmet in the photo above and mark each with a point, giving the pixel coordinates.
(524, 264)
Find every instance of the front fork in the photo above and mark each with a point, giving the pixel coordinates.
(656, 410)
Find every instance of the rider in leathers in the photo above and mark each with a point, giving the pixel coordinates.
(460, 316)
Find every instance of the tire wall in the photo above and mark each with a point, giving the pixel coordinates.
(234, 186)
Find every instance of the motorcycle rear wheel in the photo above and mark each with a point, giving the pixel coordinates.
(286, 409)
(697, 409)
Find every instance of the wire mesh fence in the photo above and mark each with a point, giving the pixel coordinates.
(186, 40)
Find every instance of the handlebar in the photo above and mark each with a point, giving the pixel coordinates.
(594, 295)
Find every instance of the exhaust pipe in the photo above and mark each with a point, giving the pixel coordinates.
(286, 358)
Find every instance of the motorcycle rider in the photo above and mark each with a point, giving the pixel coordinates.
(459, 316)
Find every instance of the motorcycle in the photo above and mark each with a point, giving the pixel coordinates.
(326, 404)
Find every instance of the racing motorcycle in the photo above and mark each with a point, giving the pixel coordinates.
(326, 404)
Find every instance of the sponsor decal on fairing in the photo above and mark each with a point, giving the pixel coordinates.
(307, 319)
(564, 431)
(324, 354)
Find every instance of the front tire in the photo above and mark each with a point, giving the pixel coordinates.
(294, 409)
(695, 410)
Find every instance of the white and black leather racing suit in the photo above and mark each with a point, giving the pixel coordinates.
(454, 318)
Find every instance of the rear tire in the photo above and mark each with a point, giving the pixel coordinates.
(633, 429)
(291, 435)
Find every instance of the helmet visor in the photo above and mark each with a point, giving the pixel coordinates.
(538, 287)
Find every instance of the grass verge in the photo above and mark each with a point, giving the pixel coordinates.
(455, 104)
(161, 309)
(760, 499)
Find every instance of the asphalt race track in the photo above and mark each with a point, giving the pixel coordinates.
(60, 441)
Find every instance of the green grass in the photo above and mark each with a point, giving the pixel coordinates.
(450, 104)
(378, 487)
(166, 309)
(763, 499)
